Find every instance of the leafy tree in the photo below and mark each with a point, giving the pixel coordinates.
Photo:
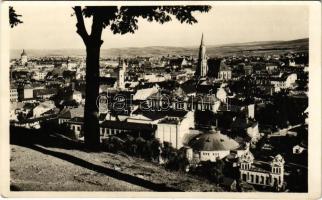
(120, 20)
(168, 152)
(13, 17)
(141, 146)
(21, 117)
(155, 149)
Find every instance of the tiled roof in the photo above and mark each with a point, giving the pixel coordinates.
(70, 113)
(213, 141)
(155, 115)
(189, 86)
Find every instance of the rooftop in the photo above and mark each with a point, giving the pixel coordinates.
(70, 113)
(128, 125)
(155, 115)
(213, 141)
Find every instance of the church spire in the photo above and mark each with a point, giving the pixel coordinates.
(202, 43)
(202, 68)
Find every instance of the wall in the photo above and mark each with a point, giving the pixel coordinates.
(212, 155)
(27, 93)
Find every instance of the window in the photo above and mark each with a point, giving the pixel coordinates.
(244, 177)
(78, 128)
(180, 105)
(262, 180)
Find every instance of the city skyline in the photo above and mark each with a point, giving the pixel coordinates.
(272, 23)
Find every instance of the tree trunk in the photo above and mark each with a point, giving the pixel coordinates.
(93, 44)
(91, 123)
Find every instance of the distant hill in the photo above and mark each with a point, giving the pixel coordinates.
(250, 48)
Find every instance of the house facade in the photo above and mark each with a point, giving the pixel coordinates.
(256, 175)
(174, 129)
(13, 94)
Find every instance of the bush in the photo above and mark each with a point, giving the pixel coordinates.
(63, 129)
(114, 144)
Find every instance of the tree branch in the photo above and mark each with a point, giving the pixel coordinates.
(81, 29)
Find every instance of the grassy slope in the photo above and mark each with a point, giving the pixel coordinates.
(32, 170)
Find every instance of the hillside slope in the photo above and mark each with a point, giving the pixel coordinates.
(251, 48)
(55, 169)
(47, 161)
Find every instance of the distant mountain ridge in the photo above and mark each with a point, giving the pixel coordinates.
(249, 48)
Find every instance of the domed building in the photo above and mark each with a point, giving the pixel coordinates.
(23, 57)
(214, 145)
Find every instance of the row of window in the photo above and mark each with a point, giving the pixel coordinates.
(106, 131)
(209, 154)
(199, 105)
(276, 170)
(103, 131)
(245, 166)
(260, 179)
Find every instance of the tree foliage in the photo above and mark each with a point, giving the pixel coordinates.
(124, 19)
(14, 17)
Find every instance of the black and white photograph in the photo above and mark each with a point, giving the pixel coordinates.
(161, 97)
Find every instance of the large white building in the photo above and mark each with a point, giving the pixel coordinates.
(175, 130)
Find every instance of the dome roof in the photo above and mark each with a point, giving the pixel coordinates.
(213, 141)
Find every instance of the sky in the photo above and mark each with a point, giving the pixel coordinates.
(53, 27)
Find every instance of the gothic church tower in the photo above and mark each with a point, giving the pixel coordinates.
(202, 68)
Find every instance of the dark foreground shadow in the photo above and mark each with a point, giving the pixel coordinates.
(44, 137)
(31, 139)
(107, 171)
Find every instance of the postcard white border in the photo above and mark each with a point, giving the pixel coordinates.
(314, 147)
